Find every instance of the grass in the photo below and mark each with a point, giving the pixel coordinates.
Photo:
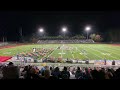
(76, 51)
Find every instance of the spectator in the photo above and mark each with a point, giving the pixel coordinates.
(95, 74)
(51, 70)
(10, 64)
(11, 71)
(56, 73)
(87, 74)
(33, 74)
(117, 74)
(79, 74)
(73, 71)
(109, 73)
(102, 74)
(42, 71)
(47, 74)
(65, 74)
(25, 72)
(113, 73)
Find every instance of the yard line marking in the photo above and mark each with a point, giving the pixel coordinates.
(62, 51)
(94, 53)
(52, 52)
(110, 52)
(72, 54)
(83, 54)
(116, 48)
(102, 52)
(113, 51)
(110, 49)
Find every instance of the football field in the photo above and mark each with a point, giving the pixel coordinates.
(70, 51)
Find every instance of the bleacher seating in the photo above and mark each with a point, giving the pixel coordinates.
(65, 41)
(3, 44)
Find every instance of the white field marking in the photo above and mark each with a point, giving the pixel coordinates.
(94, 53)
(62, 50)
(113, 51)
(102, 52)
(72, 54)
(84, 54)
(81, 52)
(116, 48)
(52, 52)
(7, 53)
(110, 52)
(61, 53)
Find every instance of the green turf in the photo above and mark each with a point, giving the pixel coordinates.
(76, 51)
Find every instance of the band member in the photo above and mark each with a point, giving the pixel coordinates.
(25, 59)
(34, 49)
(17, 56)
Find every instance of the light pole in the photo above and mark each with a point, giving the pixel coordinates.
(87, 29)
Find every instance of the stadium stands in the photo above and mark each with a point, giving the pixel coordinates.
(65, 41)
(3, 44)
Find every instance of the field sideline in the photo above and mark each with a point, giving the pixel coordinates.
(70, 51)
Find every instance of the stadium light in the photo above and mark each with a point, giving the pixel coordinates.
(87, 28)
(64, 30)
(41, 30)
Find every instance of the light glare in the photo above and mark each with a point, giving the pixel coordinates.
(41, 30)
(87, 28)
(64, 29)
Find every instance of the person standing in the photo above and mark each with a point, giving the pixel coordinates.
(34, 50)
(105, 62)
(17, 56)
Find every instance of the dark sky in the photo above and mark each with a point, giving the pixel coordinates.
(52, 21)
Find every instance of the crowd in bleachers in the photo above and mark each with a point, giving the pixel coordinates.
(66, 41)
(3, 43)
(11, 71)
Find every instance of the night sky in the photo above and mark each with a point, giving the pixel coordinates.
(52, 21)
